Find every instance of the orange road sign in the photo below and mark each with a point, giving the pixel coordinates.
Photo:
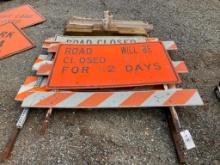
(22, 16)
(12, 40)
(108, 66)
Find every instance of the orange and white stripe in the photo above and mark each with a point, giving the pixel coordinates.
(180, 66)
(41, 60)
(169, 45)
(44, 68)
(126, 99)
(29, 86)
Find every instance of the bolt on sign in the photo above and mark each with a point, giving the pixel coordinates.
(109, 66)
(12, 40)
(22, 16)
(99, 39)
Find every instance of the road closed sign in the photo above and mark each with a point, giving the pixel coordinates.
(109, 66)
(99, 39)
(12, 40)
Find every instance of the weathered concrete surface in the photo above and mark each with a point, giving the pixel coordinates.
(127, 136)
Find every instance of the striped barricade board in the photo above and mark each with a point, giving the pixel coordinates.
(126, 99)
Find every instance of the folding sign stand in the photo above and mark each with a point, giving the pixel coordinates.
(34, 93)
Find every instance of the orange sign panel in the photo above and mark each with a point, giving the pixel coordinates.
(22, 16)
(12, 40)
(109, 66)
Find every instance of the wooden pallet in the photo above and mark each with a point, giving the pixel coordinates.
(106, 26)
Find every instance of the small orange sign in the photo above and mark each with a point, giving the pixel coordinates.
(12, 40)
(22, 16)
(109, 66)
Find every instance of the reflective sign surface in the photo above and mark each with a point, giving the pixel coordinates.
(108, 66)
(99, 39)
(12, 40)
(22, 16)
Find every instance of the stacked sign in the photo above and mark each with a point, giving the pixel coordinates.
(122, 72)
(11, 23)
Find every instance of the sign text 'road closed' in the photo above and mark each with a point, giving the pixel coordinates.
(109, 66)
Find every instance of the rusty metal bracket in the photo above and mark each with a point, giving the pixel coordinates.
(6, 153)
(175, 126)
(46, 121)
(175, 134)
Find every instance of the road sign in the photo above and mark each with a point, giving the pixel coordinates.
(169, 45)
(108, 66)
(99, 39)
(125, 99)
(12, 40)
(22, 16)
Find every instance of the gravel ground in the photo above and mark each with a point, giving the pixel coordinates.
(127, 136)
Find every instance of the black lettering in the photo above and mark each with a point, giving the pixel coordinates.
(129, 68)
(128, 50)
(64, 69)
(74, 50)
(10, 34)
(69, 41)
(75, 41)
(119, 41)
(68, 51)
(75, 69)
(99, 41)
(112, 42)
(111, 68)
(3, 34)
(124, 50)
(82, 60)
(6, 34)
(88, 41)
(102, 60)
(157, 66)
(146, 49)
(2, 43)
(89, 50)
(67, 60)
(148, 66)
(105, 41)
(138, 68)
(85, 69)
(82, 42)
